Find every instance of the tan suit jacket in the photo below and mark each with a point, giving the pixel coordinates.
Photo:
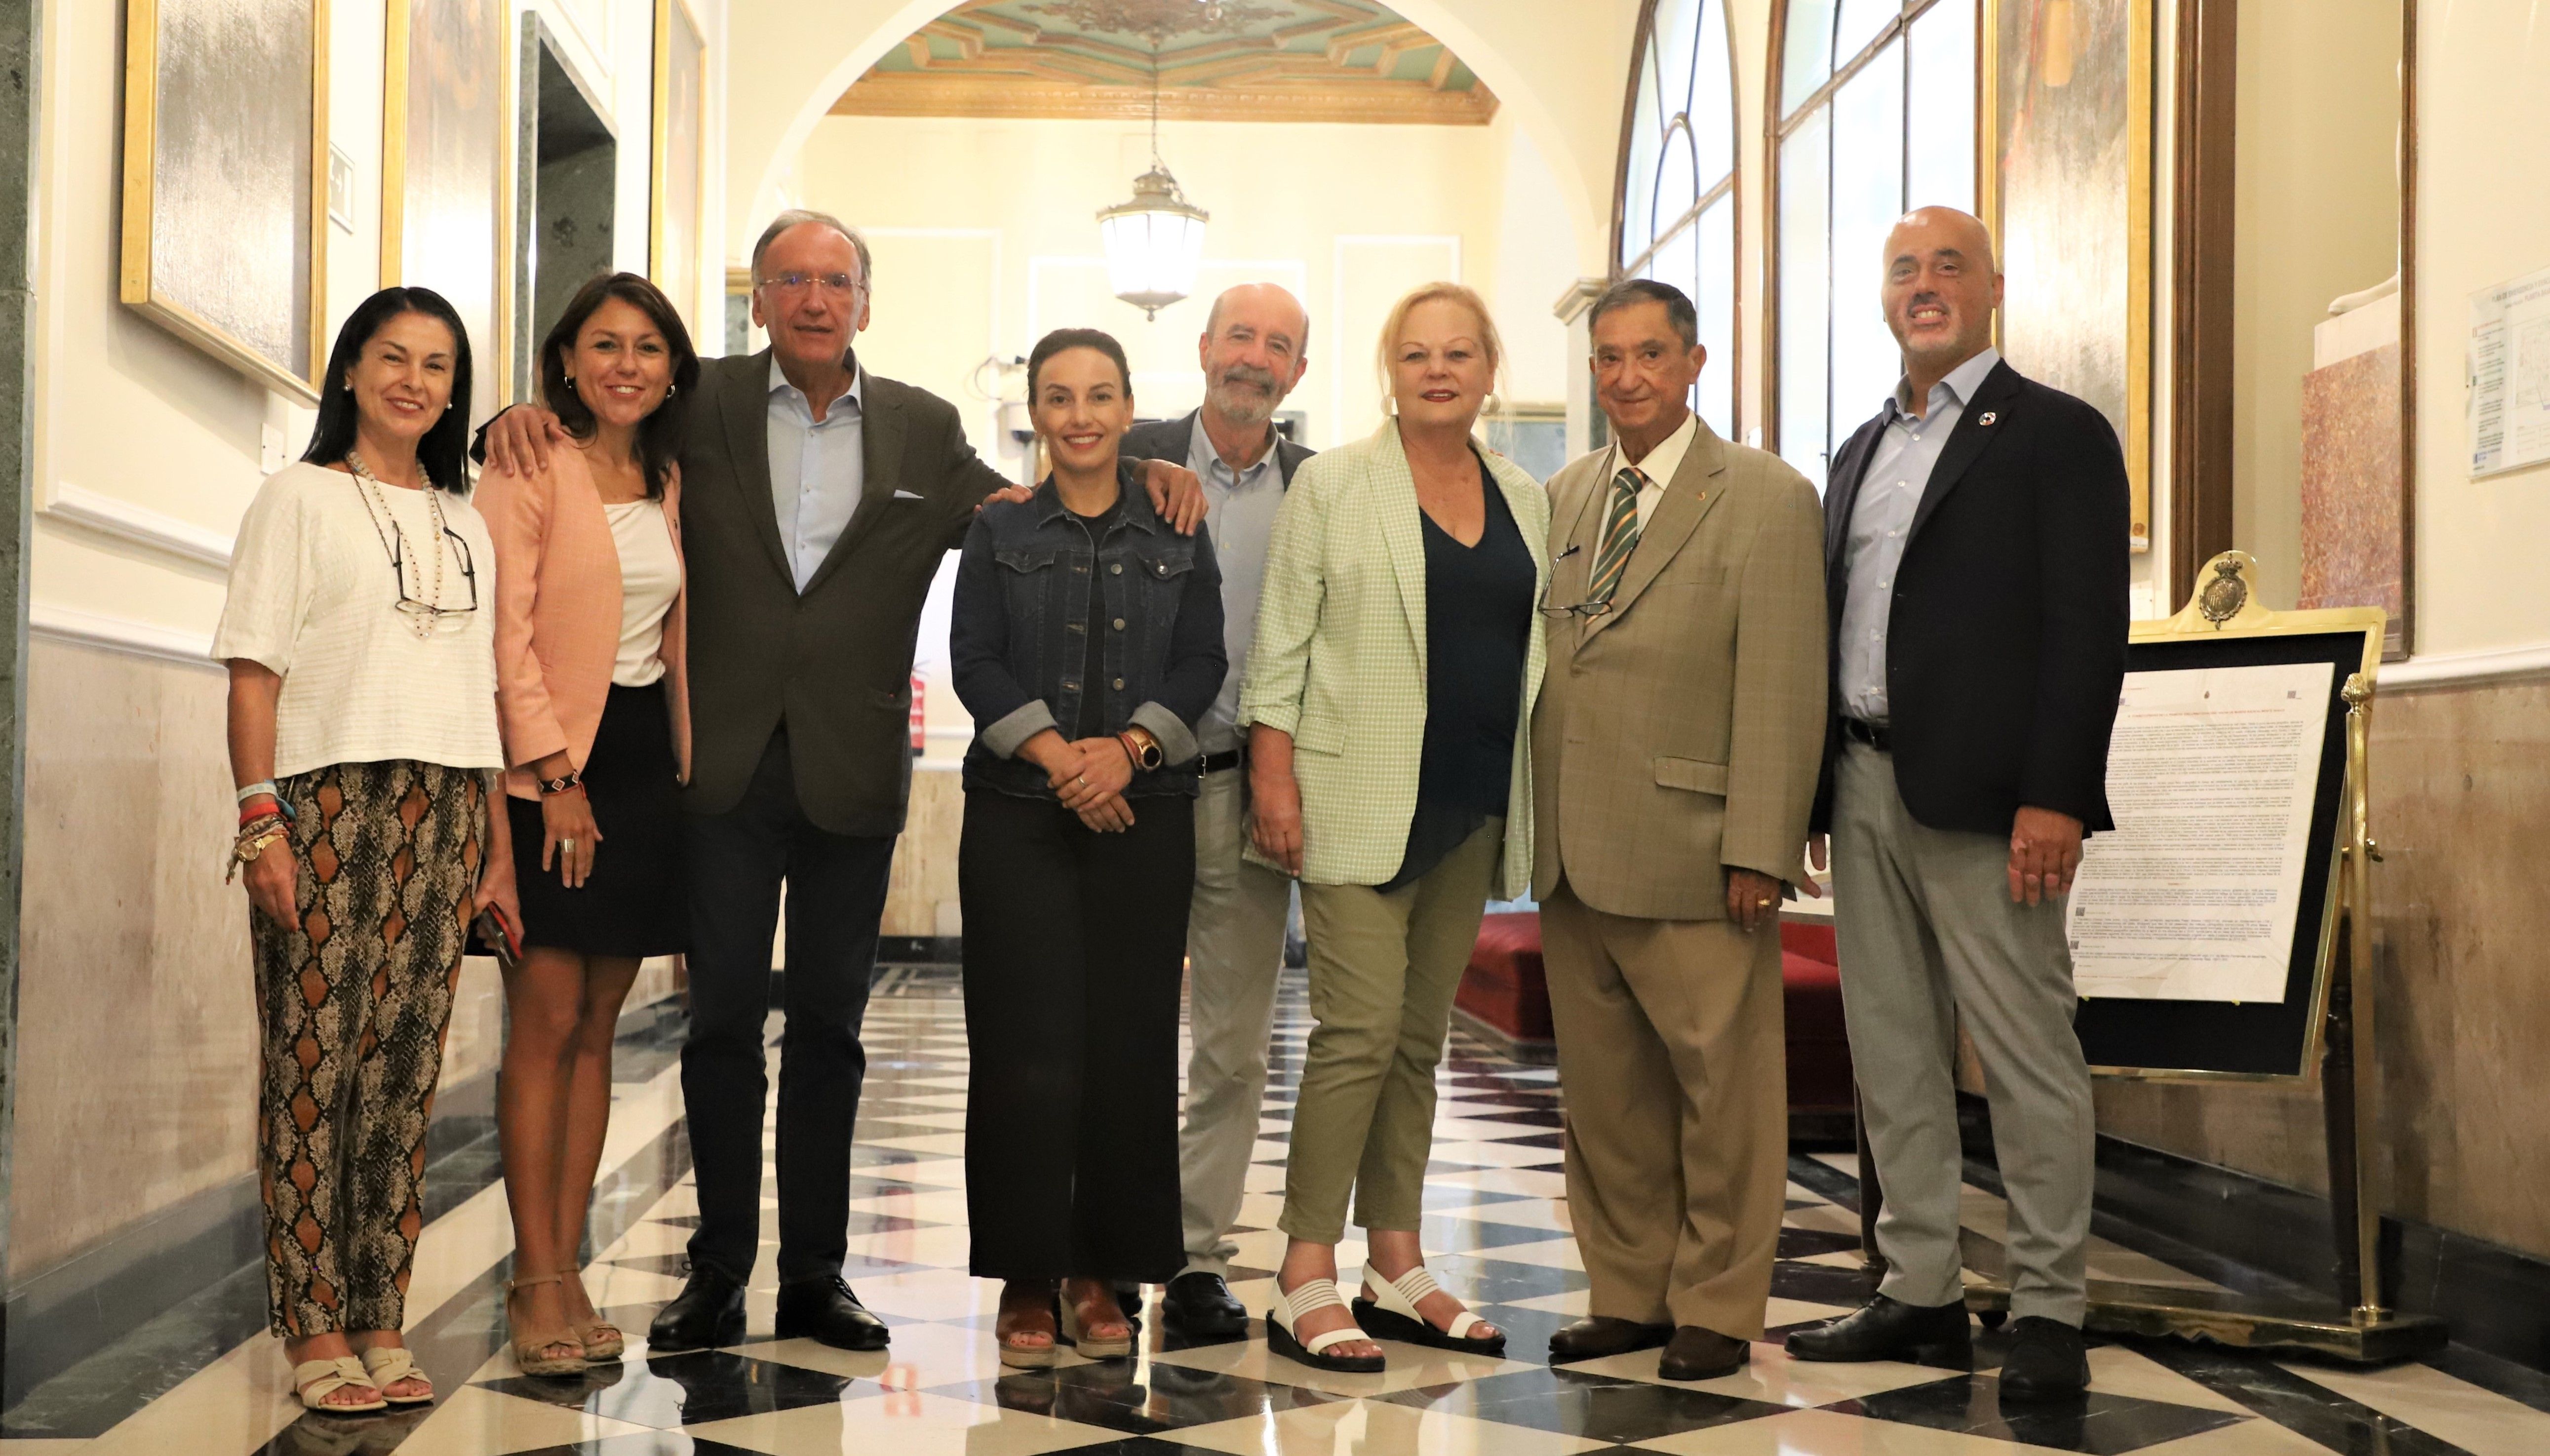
(1682, 732)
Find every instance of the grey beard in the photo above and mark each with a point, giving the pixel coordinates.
(1239, 409)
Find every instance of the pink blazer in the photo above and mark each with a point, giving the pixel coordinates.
(558, 614)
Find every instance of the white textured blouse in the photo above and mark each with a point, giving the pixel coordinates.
(651, 575)
(314, 596)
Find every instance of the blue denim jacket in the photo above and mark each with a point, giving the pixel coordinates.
(1019, 640)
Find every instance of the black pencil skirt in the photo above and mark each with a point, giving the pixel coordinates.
(635, 902)
(1075, 945)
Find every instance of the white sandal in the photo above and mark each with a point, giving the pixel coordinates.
(388, 1366)
(1392, 1315)
(313, 1381)
(1318, 1294)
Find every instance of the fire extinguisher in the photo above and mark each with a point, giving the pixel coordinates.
(920, 733)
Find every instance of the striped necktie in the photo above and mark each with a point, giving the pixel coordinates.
(1620, 535)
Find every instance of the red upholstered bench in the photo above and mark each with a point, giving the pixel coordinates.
(1504, 995)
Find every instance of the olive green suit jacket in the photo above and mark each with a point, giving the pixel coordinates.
(1682, 732)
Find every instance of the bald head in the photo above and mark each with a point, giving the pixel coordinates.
(1941, 289)
(1253, 350)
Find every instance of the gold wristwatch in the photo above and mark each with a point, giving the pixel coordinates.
(1141, 747)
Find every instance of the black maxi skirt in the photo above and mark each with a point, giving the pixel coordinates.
(635, 902)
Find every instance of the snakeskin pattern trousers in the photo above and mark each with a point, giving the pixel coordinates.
(352, 1003)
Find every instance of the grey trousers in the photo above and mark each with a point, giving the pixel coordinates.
(1235, 951)
(1928, 939)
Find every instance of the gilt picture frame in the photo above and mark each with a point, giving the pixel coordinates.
(2065, 127)
(224, 236)
(678, 160)
(447, 173)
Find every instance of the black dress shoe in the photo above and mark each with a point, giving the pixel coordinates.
(1694, 1353)
(1888, 1329)
(2047, 1361)
(1598, 1335)
(708, 1312)
(1200, 1303)
(825, 1310)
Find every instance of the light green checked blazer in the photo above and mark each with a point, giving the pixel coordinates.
(1339, 657)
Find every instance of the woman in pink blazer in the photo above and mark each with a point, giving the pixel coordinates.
(592, 700)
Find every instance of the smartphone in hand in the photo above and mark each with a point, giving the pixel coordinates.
(500, 938)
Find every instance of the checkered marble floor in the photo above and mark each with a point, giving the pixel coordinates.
(1497, 1230)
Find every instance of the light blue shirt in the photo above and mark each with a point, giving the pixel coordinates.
(817, 470)
(1242, 516)
(1890, 496)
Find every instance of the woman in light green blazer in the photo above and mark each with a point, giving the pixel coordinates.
(1387, 697)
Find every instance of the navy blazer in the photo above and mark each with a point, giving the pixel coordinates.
(2005, 644)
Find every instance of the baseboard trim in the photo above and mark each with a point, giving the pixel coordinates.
(2496, 1300)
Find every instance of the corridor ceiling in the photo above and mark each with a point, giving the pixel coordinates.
(1254, 60)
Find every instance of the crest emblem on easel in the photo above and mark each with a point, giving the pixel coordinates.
(2223, 595)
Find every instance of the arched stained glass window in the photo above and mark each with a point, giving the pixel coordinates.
(1877, 116)
(1677, 194)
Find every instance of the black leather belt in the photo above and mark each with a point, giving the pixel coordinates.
(1877, 736)
(1221, 762)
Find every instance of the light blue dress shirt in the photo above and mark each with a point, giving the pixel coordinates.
(1889, 495)
(1242, 516)
(817, 469)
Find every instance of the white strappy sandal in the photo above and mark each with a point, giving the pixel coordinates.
(388, 1366)
(313, 1381)
(1318, 1294)
(1391, 1314)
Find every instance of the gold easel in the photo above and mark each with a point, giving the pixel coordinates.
(2356, 1324)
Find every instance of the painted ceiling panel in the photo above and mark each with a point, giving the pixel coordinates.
(1216, 59)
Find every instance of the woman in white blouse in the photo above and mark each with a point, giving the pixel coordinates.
(590, 685)
(360, 638)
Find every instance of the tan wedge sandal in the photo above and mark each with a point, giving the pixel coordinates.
(603, 1341)
(528, 1343)
(388, 1366)
(313, 1381)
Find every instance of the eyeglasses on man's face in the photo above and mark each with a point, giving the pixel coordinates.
(836, 285)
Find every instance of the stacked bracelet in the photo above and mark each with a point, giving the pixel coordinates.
(254, 837)
(261, 786)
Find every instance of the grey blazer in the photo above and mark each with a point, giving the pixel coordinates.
(1167, 440)
(835, 662)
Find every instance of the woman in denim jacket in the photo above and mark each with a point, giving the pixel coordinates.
(1086, 642)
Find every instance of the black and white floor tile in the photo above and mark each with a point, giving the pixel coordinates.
(1497, 1228)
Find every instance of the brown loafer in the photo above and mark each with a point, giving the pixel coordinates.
(1598, 1335)
(1694, 1353)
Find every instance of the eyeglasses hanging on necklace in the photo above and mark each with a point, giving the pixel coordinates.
(426, 614)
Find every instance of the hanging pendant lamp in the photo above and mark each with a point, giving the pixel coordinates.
(1155, 241)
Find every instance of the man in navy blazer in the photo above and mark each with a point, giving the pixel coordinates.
(1975, 538)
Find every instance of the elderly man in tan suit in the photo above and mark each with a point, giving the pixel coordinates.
(1677, 740)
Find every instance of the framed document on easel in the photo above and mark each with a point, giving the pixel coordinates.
(2216, 935)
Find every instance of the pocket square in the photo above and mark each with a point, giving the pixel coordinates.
(908, 495)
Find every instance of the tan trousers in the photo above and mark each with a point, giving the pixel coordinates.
(1382, 972)
(1670, 1045)
(1235, 953)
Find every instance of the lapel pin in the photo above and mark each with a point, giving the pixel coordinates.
(1989, 416)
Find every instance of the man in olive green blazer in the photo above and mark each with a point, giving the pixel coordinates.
(1676, 745)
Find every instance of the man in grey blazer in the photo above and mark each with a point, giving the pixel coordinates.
(818, 502)
(1253, 351)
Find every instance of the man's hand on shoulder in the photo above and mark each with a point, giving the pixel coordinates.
(518, 440)
(1005, 493)
(1176, 494)
(2044, 854)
